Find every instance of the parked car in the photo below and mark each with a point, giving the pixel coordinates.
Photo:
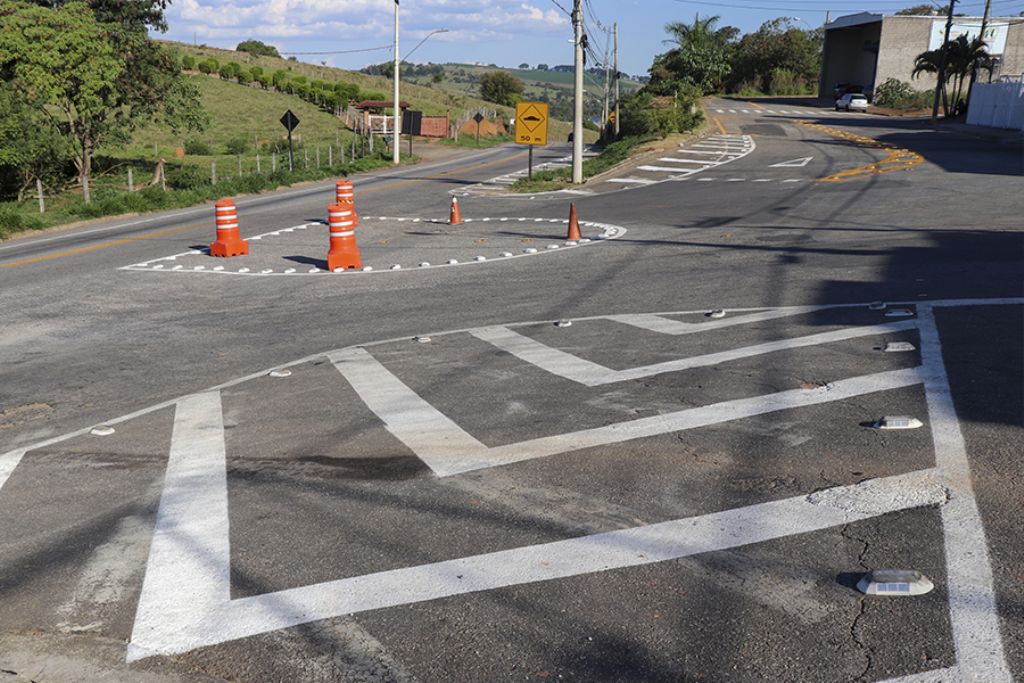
(852, 102)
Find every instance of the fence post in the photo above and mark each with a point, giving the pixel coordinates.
(305, 156)
(39, 192)
(330, 156)
(213, 172)
(318, 157)
(239, 157)
(258, 170)
(131, 180)
(273, 162)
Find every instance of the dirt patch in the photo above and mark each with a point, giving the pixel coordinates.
(886, 111)
(17, 415)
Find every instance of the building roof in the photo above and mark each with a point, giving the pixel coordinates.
(854, 20)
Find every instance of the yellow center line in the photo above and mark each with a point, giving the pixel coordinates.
(721, 128)
(898, 158)
(169, 231)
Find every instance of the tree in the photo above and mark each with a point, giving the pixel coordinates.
(257, 48)
(542, 67)
(700, 58)
(962, 57)
(94, 81)
(188, 62)
(777, 49)
(500, 87)
(31, 147)
(923, 10)
(524, 65)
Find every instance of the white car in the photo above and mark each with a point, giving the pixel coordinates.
(852, 102)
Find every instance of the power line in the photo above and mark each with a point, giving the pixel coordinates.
(342, 52)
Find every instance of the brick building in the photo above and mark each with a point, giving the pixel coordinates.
(866, 49)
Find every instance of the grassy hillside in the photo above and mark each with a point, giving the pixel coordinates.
(238, 111)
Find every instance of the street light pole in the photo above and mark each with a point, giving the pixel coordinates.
(616, 67)
(395, 155)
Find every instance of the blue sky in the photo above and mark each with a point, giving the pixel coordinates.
(503, 32)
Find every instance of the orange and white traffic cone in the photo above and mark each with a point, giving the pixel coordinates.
(455, 218)
(344, 252)
(344, 193)
(229, 242)
(574, 225)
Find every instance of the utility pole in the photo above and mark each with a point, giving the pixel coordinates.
(577, 122)
(395, 152)
(974, 70)
(939, 89)
(607, 93)
(615, 27)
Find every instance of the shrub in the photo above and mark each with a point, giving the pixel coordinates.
(197, 147)
(237, 145)
(11, 221)
(188, 62)
(897, 94)
(209, 66)
(186, 178)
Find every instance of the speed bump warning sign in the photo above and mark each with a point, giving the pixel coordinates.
(532, 123)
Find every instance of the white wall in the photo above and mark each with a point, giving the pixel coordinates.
(998, 105)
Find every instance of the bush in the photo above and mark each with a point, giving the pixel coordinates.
(186, 178)
(209, 66)
(237, 145)
(188, 62)
(643, 116)
(197, 147)
(11, 221)
(897, 94)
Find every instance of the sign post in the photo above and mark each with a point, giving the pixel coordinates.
(478, 117)
(290, 121)
(531, 127)
(412, 124)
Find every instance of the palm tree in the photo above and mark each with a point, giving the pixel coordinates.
(698, 31)
(962, 58)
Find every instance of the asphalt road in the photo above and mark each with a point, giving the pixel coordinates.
(440, 483)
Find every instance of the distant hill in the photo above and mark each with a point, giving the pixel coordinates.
(550, 85)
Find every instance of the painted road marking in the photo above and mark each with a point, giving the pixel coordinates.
(568, 366)
(658, 323)
(155, 265)
(196, 487)
(190, 556)
(660, 169)
(702, 162)
(793, 163)
(398, 407)
(972, 600)
(640, 181)
(173, 630)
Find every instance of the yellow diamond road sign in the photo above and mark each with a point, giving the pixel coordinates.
(532, 123)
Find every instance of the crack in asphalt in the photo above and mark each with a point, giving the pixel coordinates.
(861, 606)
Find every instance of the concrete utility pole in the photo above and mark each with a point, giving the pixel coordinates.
(941, 76)
(577, 121)
(615, 28)
(395, 156)
(974, 70)
(607, 93)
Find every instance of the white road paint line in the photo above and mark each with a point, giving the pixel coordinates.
(657, 323)
(792, 163)
(684, 150)
(792, 180)
(735, 180)
(972, 601)
(640, 181)
(705, 180)
(448, 450)
(762, 180)
(8, 461)
(576, 369)
(732, 111)
(693, 418)
(759, 111)
(720, 111)
(702, 162)
(745, 111)
(618, 549)
(658, 169)
(783, 111)
(435, 439)
(188, 574)
(934, 676)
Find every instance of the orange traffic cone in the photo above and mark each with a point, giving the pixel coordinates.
(345, 194)
(456, 217)
(228, 242)
(344, 252)
(574, 225)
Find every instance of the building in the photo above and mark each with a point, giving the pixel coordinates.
(866, 49)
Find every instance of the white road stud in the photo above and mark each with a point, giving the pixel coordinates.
(876, 306)
(529, 250)
(453, 262)
(425, 264)
(367, 269)
(102, 430)
(717, 313)
(897, 422)
(563, 323)
(899, 313)
(280, 373)
(396, 267)
(898, 347)
(506, 254)
(479, 259)
(895, 583)
(421, 339)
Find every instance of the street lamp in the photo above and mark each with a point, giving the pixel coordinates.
(434, 32)
(397, 127)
